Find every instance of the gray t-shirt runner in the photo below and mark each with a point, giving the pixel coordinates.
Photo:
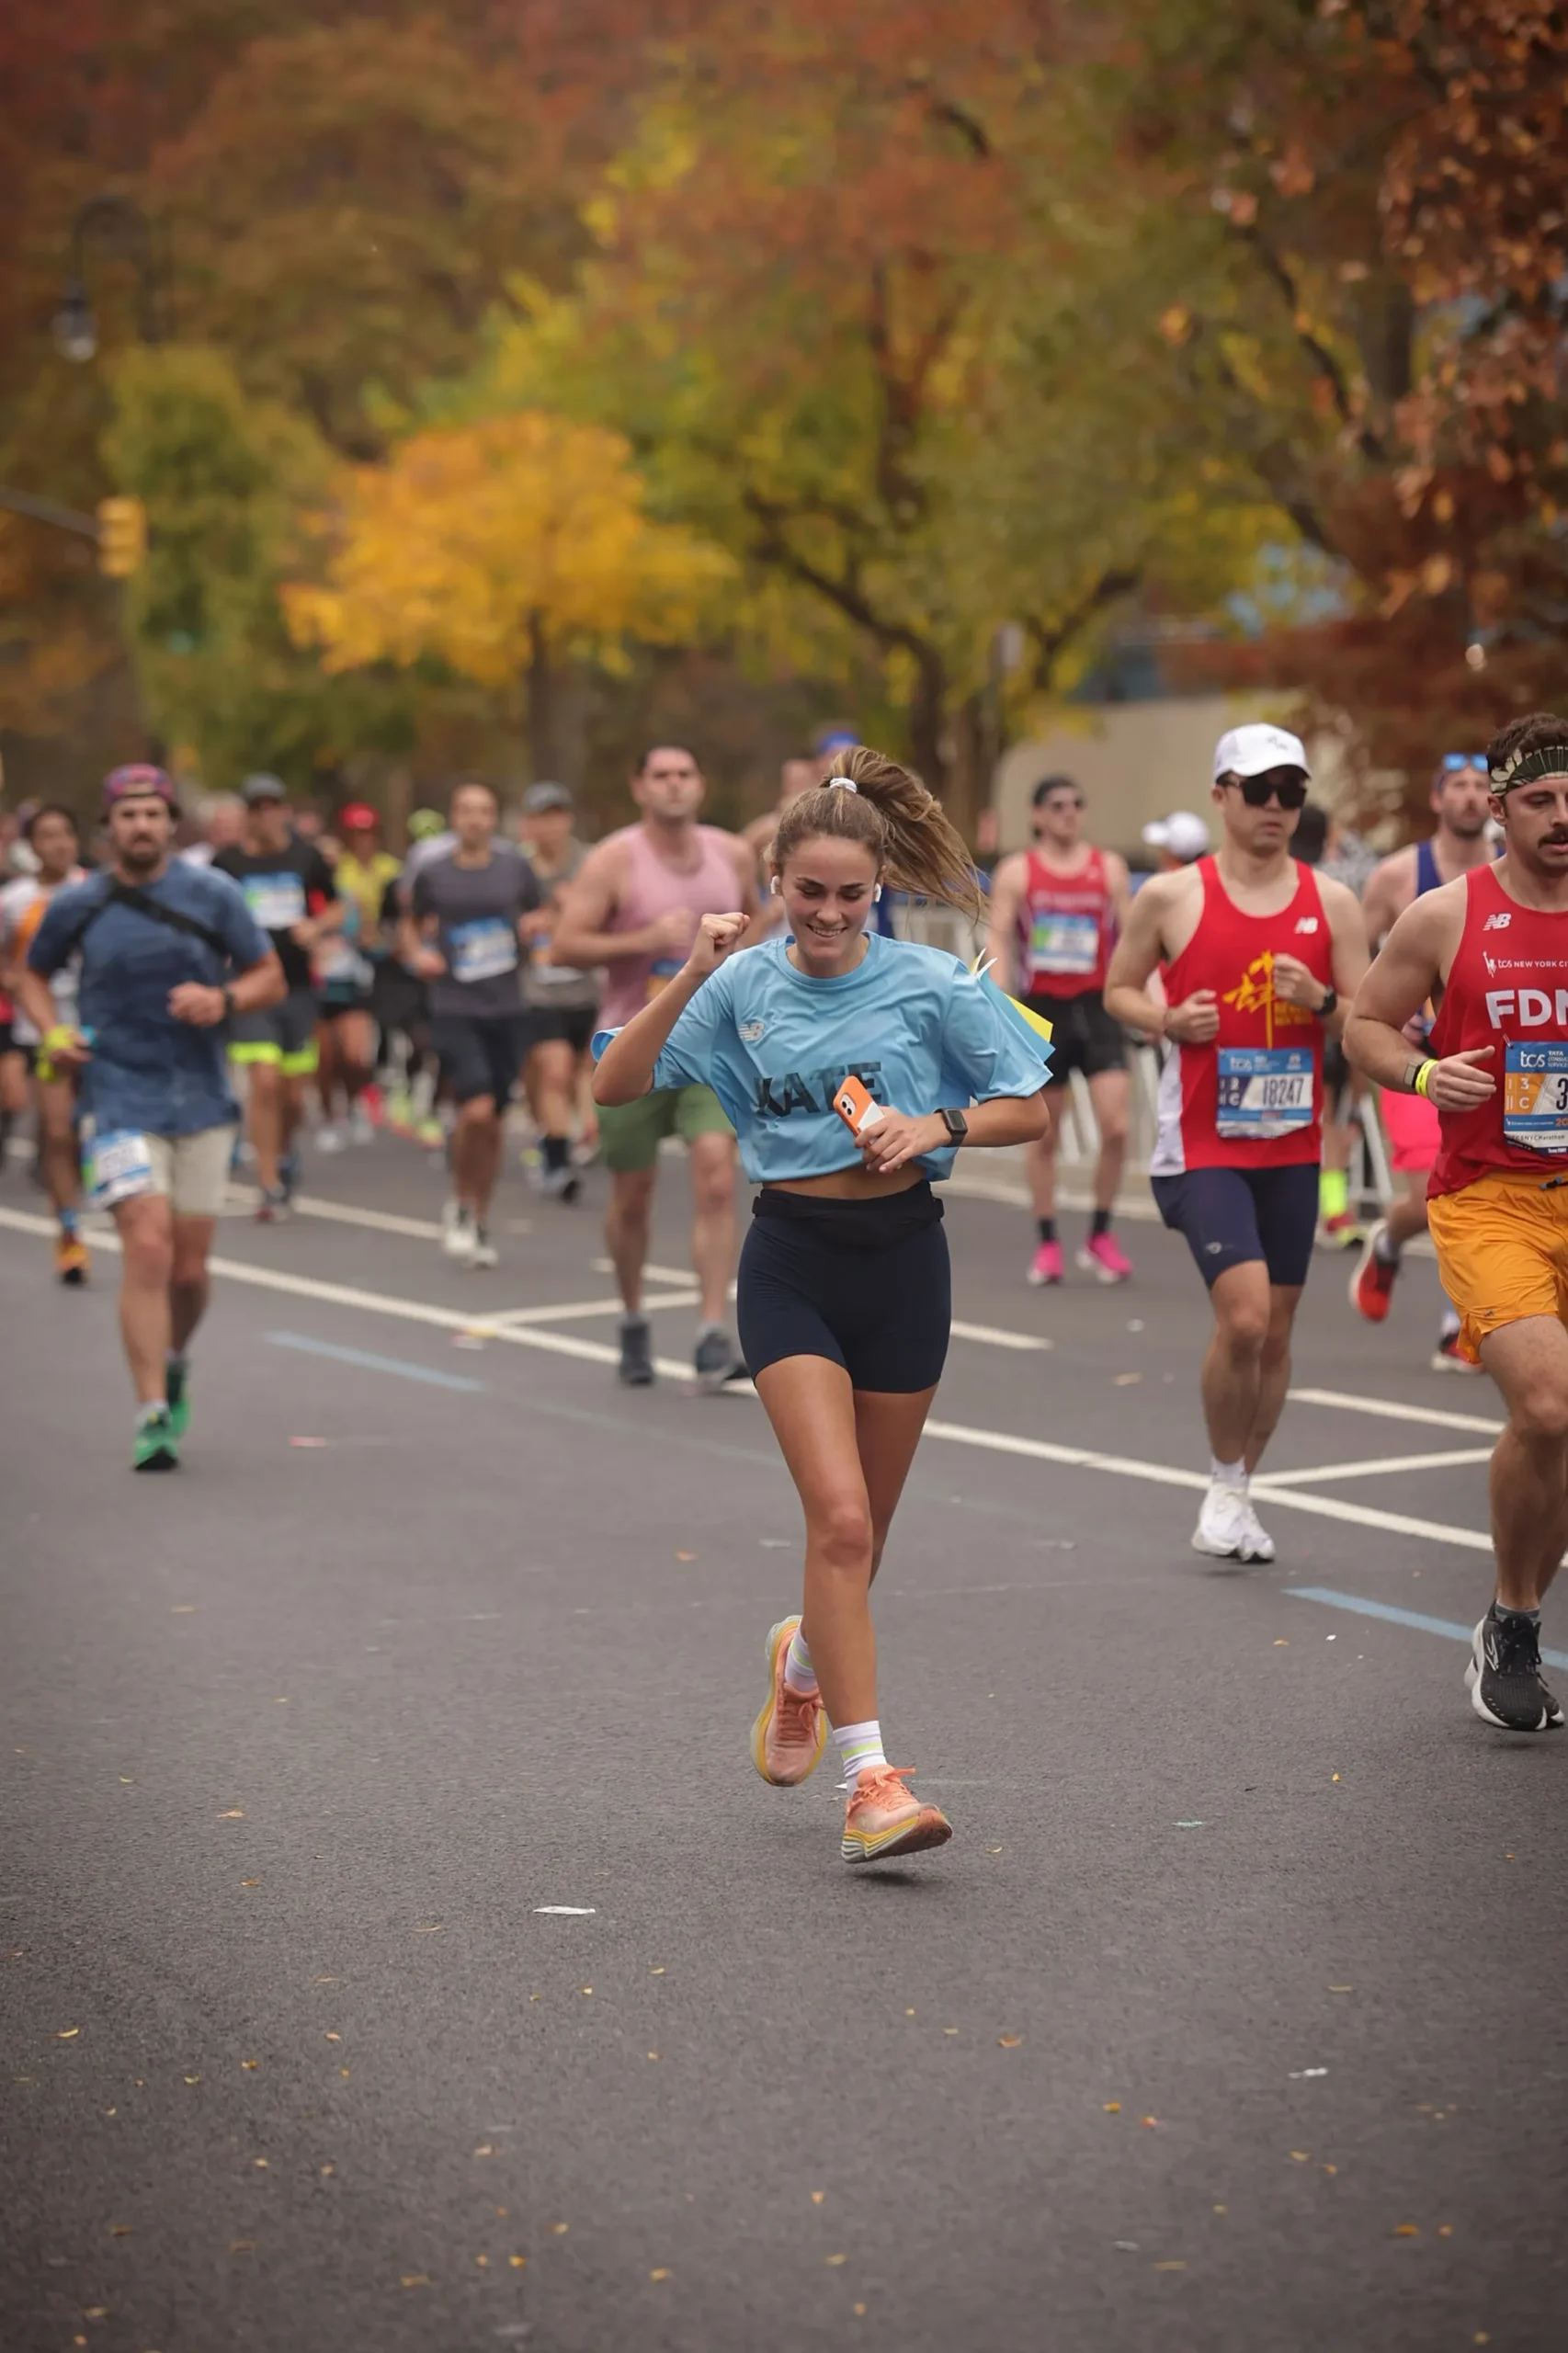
(476, 910)
(559, 985)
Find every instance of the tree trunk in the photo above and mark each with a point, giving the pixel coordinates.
(928, 720)
(544, 750)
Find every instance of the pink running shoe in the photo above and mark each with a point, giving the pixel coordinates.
(884, 1819)
(1046, 1266)
(1103, 1256)
(790, 1734)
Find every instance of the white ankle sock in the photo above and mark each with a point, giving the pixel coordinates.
(1228, 1475)
(860, 1747)
(799, 1674)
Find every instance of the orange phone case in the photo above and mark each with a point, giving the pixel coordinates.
(856, 1106)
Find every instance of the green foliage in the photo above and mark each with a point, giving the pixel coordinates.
(225, 480)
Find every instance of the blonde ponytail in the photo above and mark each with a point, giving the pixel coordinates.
(912, 839)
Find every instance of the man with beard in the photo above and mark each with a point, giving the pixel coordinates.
(1492, 946)
(168, 954)
(1460, 793)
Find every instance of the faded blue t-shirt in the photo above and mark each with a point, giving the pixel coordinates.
(149, 1073)
(913, 1024)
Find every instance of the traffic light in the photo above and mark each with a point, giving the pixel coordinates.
(122, 537)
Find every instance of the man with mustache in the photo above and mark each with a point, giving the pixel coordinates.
(1492, 949)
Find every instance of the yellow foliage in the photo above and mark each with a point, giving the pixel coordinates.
(486, 544)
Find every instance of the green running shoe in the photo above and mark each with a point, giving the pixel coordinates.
(177, 1386)
(155, 1446)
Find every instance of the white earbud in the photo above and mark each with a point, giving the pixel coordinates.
(877, 892)
(774, 888)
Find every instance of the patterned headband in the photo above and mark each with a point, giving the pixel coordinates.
(1529, 767)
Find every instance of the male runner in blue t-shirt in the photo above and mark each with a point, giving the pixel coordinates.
(168, 954)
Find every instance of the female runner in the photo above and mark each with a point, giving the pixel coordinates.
(844, 1295)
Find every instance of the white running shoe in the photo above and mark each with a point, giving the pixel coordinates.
(1260, 1544)
(361, 1127)
(481, 1251)
(330, 1140)
(456, 1229)
(1226, 1528)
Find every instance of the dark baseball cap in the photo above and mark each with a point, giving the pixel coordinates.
(137, 779)
(263, 788)
(546, 795)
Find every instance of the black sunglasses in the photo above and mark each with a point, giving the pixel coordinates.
(1286, 785)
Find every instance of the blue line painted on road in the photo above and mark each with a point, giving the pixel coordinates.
(369, 1363)
(1400, 1616)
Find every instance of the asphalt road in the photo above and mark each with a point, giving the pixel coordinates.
(1231, 2018)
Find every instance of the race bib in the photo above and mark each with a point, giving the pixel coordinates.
(118, 1166)
(1065, 944)
(1535, 1097)
(664, 969)
(276, 901)
(482, 950)
(1264, 1091)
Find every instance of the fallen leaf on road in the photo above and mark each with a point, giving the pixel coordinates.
(817, 2196)
(835, 2259)
(262, 2162)
(1170, 2267)
(1149, 2119)
(66, 2033)
(584, 1989)
(252, 2063)
(949, 2029)
(1113, 2108)
(1009, 2042)
(416, 2279)
(485, 2149)
(859, 2311)
(250, 1883)
(652, 2054)
(1445, 2230)
(686, 1556)
(1407, 2230)
(482, 2261)
(326, 2169)
(96, 2312)
(660, 2274)
(241, 2246)
(1299, 2074)
(332, 2038)
(1301, 2156)
(182, 1609)
(1342, 1989)
(1331, 2168)
(559, 2230)
(518, 2262)
(193, 2079)
(307, 1441)
(1282, 1643)
(655, 1972)
(233, 1814)
(1125, 1380)
(119, 2229)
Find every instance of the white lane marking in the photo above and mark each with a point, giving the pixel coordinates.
(990, 1336)
(1435, 1416)
(488, 1325)
(1380, 1467)
(1071, 1457)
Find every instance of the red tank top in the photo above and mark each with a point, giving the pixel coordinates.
(1507, 989)
(1252, 1096)
(1066, 928)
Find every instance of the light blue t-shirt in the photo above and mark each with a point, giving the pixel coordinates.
(913, 1024)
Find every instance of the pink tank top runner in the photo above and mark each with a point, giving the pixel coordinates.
(651, 888)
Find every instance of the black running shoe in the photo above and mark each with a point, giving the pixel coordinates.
(636, 1368)
(1504, 1677)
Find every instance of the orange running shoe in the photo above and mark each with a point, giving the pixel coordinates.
(789, 1735)
(882, 1819)
(70, 1261)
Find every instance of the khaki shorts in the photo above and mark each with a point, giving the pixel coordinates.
(192, 1170)
(1501, 1248)
(631, 1133)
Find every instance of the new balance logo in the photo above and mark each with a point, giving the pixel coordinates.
(1497, 922)
(1306, 922)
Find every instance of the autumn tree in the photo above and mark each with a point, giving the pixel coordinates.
(504, 550)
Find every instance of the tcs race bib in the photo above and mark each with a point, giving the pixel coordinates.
(276, 901)
(1534, 1095)
(1264, 1091)
(1064, 944)
(482, 950)
(118, 1168)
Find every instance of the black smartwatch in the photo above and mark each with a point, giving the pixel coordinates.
(956, 1124)
(1330, 1001)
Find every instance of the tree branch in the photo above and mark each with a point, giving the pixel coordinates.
(1050, 644)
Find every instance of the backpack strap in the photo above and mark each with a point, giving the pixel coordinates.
(128, 894)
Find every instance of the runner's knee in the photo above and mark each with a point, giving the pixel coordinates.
(841, 1526)
(1540, 1419)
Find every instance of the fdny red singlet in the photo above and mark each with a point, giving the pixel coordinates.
(1507, 989)
(1252, 1098)
(1066, 927)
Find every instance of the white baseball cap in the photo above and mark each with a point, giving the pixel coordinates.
(1250, 751)
(1184, 836)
